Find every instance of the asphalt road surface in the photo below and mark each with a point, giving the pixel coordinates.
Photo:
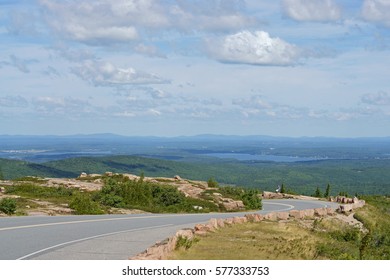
(110, 237)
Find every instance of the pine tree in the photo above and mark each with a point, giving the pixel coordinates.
(318, 193)
(282, 189)
(327, 191)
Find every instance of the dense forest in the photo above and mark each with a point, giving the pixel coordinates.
(360, 176)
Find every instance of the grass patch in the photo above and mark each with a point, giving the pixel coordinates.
(57, 195)
(265, 240)
(326, 238)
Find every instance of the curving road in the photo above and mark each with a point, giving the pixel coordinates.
(108, 236)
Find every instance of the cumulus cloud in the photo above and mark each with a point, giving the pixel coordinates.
(312, 10)
(381, 98)
(110, 22)
(377, 11)
(99, 22)
(257, 48)
(101, 73)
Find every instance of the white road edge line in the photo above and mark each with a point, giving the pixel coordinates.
(289, 206)
(75, 222)
(89, 238)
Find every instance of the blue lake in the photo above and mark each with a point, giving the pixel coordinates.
(240, 156)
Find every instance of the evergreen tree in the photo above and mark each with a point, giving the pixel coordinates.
(318, 193)
(282, 189)
(327, 191)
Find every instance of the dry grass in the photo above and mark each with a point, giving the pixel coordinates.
(265, 240)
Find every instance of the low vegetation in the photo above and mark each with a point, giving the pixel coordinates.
(326, 238)
(119, 191)
(8, 206)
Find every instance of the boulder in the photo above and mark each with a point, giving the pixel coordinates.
(320, 212)
(233, 205)
(330, 211)
(213, 223)
(221, 223)
(296, 214)
(83, 175)
(345, 208)
(239, 220)
(308, 213)
(282, 215)
(250, 217)
(177, 177)
(200, 227)
(259, 217)
(229, 221)
(271, 216)
(185, 233)
(272, 195)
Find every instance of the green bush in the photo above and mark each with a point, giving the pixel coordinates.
(185, 242)
(211, 183)
(8, 206)
(250, 197)
(84, 205)
(167, 196)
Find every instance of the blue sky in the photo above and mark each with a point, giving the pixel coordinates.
(177, 67)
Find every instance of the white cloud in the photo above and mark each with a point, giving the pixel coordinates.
(256, 48)
(149, 50)
(68, 106)
(122, 21)
(381, 98)
(377, 11)
(13, 101)
(102, 34)
(20, 63)
(255, 101)
(312, 10)
(102, 21)
(125, 114)
(206, 15)
(107, 74)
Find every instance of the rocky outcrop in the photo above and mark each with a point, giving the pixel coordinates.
(349, 204)
(230, 204)
(272, 195)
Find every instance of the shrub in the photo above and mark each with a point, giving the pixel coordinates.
(84, 205)
(211, 183)
(185, 242)
(8, 206)
(167, 196)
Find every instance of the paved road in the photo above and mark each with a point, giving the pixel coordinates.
(107, 236)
